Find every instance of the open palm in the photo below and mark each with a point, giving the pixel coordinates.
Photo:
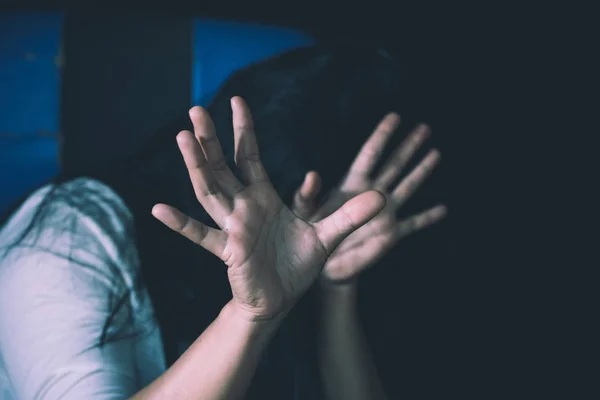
(272, 255)
(366, 245)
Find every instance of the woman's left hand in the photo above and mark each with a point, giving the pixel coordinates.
(363, 248)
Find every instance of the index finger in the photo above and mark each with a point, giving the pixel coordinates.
(373, 148)
(247, 156)
(207, 190)
(204, 130)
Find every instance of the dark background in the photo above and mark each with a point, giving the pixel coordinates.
(465, 315)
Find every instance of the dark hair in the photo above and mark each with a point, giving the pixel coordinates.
(312, 107)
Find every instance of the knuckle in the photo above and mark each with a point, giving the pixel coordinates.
(371, 152)
(347, 219)
(211, 189)
(219, 165)
(246, 128)
(184, 225)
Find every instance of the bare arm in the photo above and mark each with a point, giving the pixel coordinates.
(219, 364)
(272, 258)
(345, 362)
(52, 312)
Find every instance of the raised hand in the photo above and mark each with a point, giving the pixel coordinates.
(366, 245)
(272, 255)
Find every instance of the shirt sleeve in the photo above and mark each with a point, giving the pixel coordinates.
(54, 305)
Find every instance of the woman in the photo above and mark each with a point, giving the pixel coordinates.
(99, 300)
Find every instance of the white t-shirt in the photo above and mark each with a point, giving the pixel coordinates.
(56, 296)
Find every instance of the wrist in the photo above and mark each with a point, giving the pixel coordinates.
(247, 321)
(343, 290)
(338, 298)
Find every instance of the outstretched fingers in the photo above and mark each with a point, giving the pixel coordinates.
(211, 239)
(401, 156)
(247, 156)
(207, 189)
(205, 132)
(305, 199)
(374, 146)
(417, 176)
(349, 217)
(420, 221)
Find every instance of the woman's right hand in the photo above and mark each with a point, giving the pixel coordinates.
(272, 255)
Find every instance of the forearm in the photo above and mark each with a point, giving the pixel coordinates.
(219, 364)
(346, 364)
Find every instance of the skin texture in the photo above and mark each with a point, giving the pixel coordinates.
(274, 254)
(346, 364)
(363, 248)
(272, 257)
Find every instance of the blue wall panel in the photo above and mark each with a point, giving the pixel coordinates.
(30, 84)
(222, 47)
(29, 101)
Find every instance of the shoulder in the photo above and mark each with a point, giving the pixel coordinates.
(86, 203)
(67, 289)
(78, 213)
(79, 231)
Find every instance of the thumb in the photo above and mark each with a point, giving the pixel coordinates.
(349, 217)
(305, 197)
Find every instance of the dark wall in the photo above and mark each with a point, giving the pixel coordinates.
(449, 317)
(126, 77)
